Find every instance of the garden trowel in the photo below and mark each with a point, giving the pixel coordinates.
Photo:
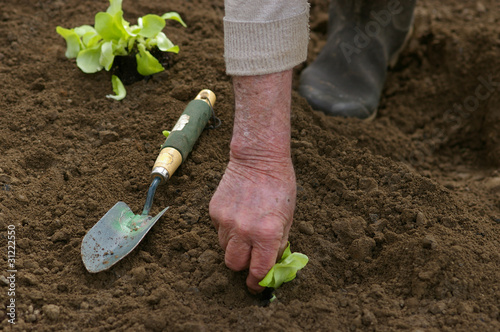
(120, 230)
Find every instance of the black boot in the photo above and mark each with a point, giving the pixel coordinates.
(364, 38)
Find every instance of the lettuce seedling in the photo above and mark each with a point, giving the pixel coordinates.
(285, 270)
(95, 48)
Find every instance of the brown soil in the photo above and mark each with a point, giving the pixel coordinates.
(400, 217)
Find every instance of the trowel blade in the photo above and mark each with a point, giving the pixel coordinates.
(114, 236)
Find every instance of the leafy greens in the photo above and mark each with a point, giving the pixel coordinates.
(96, 47)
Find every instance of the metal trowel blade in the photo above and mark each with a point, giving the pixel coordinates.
(114, 237)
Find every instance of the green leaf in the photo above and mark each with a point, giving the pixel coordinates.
(164, 44)
(88, 36)
(173, 16)
(118, 89)
(73, 43)
(120, 49)
(165, 133)
(89, 60)
(114, 6)
(84, 29)
(151, 25)
(133, 30)
(285, 270)
(91, 41)
(174, 49)
(107, 55)
(110, 27)
(114, 9)
(286, 253)
(146, 63)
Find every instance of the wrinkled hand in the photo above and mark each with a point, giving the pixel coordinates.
(252, 210)
(253, 206)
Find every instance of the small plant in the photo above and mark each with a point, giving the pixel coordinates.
(95, 48)
(285, 270)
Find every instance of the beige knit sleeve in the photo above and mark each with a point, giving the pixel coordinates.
(265, 36)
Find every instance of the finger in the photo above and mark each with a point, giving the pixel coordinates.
(284, 240)
(212, 211)
(238, 253)
(263, 259)
(215, 223)
(224, 237)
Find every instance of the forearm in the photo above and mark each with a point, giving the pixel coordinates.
(262, 117)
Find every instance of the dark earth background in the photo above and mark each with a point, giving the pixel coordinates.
(400, 217)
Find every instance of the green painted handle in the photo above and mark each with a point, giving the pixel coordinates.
(186, 131)
(189, 127)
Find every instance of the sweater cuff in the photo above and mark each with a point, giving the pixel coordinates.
(258, 48)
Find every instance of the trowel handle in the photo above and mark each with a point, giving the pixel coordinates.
(186, 131)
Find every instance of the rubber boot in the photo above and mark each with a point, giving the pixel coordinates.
(364, 38)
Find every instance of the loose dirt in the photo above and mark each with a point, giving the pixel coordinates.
(400, 217)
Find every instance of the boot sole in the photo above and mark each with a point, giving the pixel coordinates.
(371, 117)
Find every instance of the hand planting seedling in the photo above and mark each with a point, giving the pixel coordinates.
(285, 270)
(96, 48)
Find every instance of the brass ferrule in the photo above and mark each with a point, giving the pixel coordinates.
(207, 96)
